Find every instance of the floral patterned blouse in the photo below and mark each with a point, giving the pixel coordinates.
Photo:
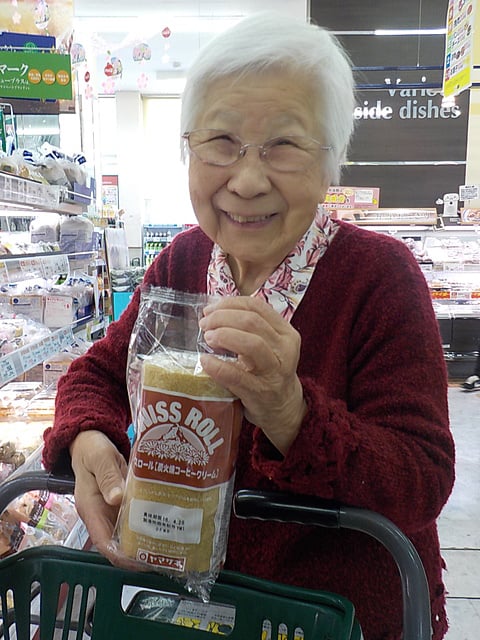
(285, 288)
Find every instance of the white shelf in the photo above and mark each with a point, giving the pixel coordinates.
(21, 268)
(21, 195)
(24, 358)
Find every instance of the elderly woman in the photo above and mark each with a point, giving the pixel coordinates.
(340, 368)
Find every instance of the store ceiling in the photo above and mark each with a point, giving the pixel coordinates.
(111, 29)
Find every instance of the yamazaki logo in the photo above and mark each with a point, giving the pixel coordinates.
(163, 413)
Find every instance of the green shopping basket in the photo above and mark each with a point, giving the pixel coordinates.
(54, 593)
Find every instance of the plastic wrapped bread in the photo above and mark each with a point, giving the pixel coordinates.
(179, 486)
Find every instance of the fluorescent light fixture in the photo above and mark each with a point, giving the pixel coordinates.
(394, 32)
(410, 32)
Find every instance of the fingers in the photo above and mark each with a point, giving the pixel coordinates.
(98, 517)
(264, 375)
(94, 453)
(259, 309)
(250, 328)
(100, 472)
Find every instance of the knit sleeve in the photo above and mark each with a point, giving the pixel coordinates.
(376, 432)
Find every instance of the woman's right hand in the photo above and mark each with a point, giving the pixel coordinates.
(100, 471)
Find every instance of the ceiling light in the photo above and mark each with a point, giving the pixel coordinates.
(149, 23)
(410, 32)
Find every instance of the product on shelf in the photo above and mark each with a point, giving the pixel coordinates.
(36, 518)
(54, 514)
(17, 331)
(15, 398)
(9, 455)
(45, 228)
(124, 280)
(42, 407)
(8, 164)
(76, 234)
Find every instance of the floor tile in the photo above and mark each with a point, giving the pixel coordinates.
(464, 619)
(462, 577)
(459, 522)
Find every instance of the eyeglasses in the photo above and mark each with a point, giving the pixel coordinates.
(222, 149)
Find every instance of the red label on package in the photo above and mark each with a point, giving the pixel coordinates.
(186, 440)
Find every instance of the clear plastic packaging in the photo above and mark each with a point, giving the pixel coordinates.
(176, 509)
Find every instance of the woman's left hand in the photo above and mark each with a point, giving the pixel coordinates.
(264, 376)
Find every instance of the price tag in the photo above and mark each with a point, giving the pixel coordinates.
(469, 192)
(35, 192)
(7, 369)
(22, 268)
(27, 357)
(65, 337)
(55, 265)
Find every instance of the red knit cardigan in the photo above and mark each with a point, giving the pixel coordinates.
(376, 434)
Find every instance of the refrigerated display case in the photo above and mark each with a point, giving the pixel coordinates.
(156, 237)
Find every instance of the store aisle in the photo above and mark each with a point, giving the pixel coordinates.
(459, 523)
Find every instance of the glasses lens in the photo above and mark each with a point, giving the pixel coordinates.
(214, 147)
(291, 153)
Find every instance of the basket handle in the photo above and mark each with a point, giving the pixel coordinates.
(18, 484)
(302, 510)
(315, 511)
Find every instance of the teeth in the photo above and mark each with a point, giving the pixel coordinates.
(247, 219)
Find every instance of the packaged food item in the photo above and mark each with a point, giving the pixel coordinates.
(176, 509)
(10, 455)
(45, 228)
(16, 535)
(56, 515)
(15, 397)
(76, 234)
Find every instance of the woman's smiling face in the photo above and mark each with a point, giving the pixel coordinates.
(255, 213)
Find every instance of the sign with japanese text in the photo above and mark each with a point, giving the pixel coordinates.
(28, 74)
(110, 201)
(458, 47)
(352, 198)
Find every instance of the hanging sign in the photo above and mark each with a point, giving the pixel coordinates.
(110, 201)
(30, 41)
(457, 74)
(35, 75)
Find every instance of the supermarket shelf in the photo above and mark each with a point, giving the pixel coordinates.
(22, 194)
(26, 267)
(19, 268)
(24, 358)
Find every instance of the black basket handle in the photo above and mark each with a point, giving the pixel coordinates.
(18, 484)
(302, 510)
(314, 511)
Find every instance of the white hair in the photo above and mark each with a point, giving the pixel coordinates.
(269, 40)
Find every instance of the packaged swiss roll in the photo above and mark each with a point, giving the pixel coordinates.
(175, 513)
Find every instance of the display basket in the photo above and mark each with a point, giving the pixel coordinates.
(55, 592)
